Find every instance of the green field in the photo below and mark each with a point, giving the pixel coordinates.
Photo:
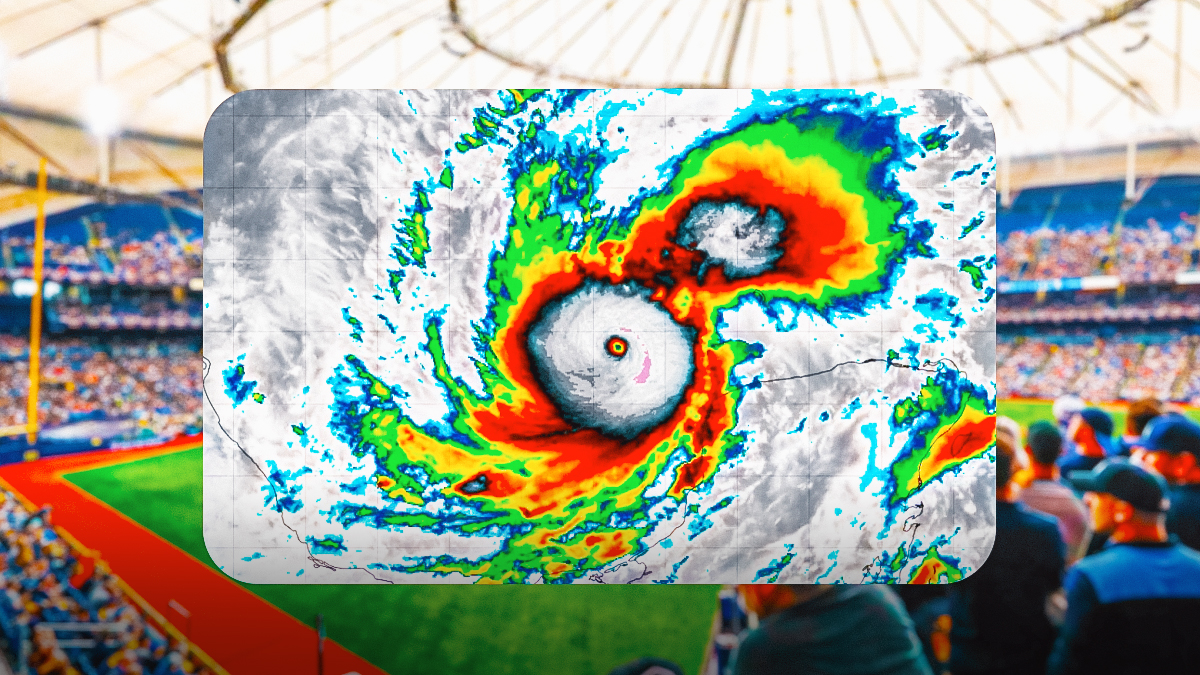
(464, 630)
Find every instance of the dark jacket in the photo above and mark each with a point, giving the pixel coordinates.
(1183, 520)
(1132, 608)
(998, 614)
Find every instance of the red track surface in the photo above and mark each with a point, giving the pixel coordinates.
(239, 630)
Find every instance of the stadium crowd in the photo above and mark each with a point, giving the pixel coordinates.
(48, 591)
(1118, 367)
(150, 314)
(1052, 254)
(1148, 254)
(156, 383)
(160, 260)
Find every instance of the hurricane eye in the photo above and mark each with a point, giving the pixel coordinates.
(616, 346)
(610, 358)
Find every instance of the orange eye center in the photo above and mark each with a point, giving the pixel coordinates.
(616, 346)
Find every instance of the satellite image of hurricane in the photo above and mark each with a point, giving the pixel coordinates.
(599, 336)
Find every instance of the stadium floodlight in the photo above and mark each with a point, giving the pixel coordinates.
(23, 288)
(102, 110)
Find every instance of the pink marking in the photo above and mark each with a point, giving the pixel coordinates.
(645, 374)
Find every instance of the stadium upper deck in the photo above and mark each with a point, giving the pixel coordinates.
(1088, 230)
(117, 277)
(128, 266)
(136, 244)
(1099, 297)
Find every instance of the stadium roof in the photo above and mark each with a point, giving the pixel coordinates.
(1056, 76)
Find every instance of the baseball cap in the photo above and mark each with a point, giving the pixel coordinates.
(1045, 441)
(1144, 490)
(1171, 433)
(1100, 421)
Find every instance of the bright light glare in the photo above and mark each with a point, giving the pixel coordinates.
(24, 288)
(102, 110)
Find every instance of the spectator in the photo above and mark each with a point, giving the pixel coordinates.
(1021, 363)
(1091, 432)
(1154, 376)
(1133, 607)
(173, 665)
(1136, 418)
(1065, 364)
(1170, 446)
(998, 614)
(1046, 494)
(1011, 430)
(1007, 426)
(1103, 369)
(163, 259)
(1080, 308)
(1146, 251)
(928, 606)
(821, 629)
(1064, 409)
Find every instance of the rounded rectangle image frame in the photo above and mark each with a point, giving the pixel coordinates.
(599, 336)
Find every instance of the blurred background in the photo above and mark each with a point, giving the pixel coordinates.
(1096, 107)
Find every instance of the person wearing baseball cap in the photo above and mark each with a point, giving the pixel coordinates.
(1047, 494)
(1091, 431)
(1064, 409)
(1139, 414)
(1126, 605)
(1170, 445)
